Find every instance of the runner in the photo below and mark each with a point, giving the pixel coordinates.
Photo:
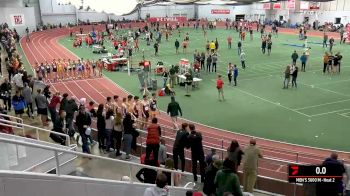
(184, 46)
(100, 67)
(60, 69)
(54, 70)
(153, 106)
(145, 111)
(48, 71)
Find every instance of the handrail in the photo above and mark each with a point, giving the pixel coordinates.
(56, 150)
(224, 150)
(9, 116)
(37, 129)
(263, 147)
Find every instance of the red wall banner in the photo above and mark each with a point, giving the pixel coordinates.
(277, 6)
(291, 4)
(267, 6)
(216, 11)
(168, 19)
(315, 5)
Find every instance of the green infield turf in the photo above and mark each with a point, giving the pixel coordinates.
(317, 113)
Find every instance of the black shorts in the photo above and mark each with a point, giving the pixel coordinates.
(42, 111)
(19, 111)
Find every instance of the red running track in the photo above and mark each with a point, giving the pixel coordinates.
(44, 46)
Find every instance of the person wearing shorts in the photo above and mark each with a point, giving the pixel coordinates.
(80, 69)
(153, 106)
(54, 70)
(184, 46)
(48, 71)
(42, 106)
(145, 111)
(43, 71)
(73, 72)
(93, 63)
(60, 69)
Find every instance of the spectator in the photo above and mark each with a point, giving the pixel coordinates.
(19, 104)
(58, 126)
(250, 167)
(83, 122)
(209, 157)
(53, 106)
(210, 173)
(159, 190)
(27, 94)
(17, 80)
(101, 125)
(226, 179)
(335, 188)
(109, 124)
(179, 146)
(64, 101)
(234, 153)
(162, 152)
(169, 164)
(195, 142)
(118, 132)
(128, 132)
(173, 110)
(5, 92)
(152, 141)
(347, 180)
(70, 107)
(146, 175)
(42, 106)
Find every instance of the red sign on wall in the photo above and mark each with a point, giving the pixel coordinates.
(277, 6)
(168, 19)
(217, 11)
(267, 6)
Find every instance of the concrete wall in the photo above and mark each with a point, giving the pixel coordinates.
(11, 3)
(28, 18)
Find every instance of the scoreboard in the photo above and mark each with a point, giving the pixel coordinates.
(313, 174)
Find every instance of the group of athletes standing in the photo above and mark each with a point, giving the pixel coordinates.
(62, 69)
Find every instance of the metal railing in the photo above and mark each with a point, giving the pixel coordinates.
(59, 150)
(22, 126)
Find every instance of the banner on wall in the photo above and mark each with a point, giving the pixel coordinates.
(17, 19)
(304, 5)
(267, 6)
(277, 6)
(291, 4)
(220, 11)
(168, 19)
(315, 5)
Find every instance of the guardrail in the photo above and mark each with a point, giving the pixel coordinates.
(58, 150)
(22, 126)
(223, 142)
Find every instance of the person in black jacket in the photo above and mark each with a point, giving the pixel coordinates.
(179, 146)
(58, 126)
(5, 93)
(101, 125)
(336, 188)
(70, 107)
(194, 140)
(83, 121)
(210, 173)
(146, 175)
